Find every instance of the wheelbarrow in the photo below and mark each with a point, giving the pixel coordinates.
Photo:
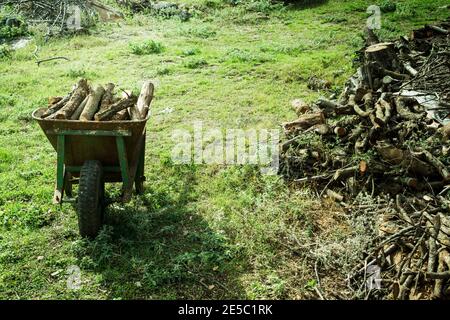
(92, 153)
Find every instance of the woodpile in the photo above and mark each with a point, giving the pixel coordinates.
(98, 103)
(387, 135)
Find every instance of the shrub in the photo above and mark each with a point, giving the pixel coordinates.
(147, 47)
(195, 63)
(388, 6)
(11, 27)
(5, 52)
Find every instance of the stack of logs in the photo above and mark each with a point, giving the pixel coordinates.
(98, 103)
(382, 138)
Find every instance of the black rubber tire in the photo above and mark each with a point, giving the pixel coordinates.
(91, 192)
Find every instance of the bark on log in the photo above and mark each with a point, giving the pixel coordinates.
(446, 132)
(335, 196)
(340, 131)
(304, 122)
(108, 97)
(92, 104)
(76, 99)
(432, 245)
(300, 107)
(402, 109)
(405, 159)
(76, 115)
(57, 106)
(383, 55)
(143, 103)
(121, 116)
(54, 100)
(112, 110)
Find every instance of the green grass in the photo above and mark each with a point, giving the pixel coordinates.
(198, 231)
(146, 47)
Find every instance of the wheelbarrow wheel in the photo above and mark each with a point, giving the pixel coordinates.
(91, 199)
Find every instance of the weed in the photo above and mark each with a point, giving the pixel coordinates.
(195, 63)
(146, 47)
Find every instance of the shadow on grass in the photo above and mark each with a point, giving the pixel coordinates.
(159, 248)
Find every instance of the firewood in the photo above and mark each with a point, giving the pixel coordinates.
(339, 131)
(143, 103)
(321, 129)
(300, 107)
(113, 109)
(334, 195)
(367, 103)
(76, 99)
(432, 245)
(304, 122)
(76, 115)
(446, 132)
(442, 169)
(92, 105)
(121, 115)
(108, 97)
(54, 100)
(405, 159)
(57, 106)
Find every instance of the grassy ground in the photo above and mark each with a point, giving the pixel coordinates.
(198, 231)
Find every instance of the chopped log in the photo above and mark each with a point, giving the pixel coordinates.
(405, 159)
(434, 230)
(321, 129)
(112, 110)
(334, 195)
(300, 107)
(76, 115)
(92, 104)
(435, 162)
(121, 116)
(304, 122)
(403, 111)
(383, 54)
(54, 100)
(76, 99)
(57, 106)
(413, 72)
(439, 283)
(108, 97)
(343, 174)
(446, 132)
(368, 100)
(363, 167)
(144, 101)
(438, 29)
(340, 131)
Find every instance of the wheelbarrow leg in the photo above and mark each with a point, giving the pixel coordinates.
(124, 169)
(68, 184)
(57, 198)
(140, 178)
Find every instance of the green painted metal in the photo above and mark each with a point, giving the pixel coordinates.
(122, 153)
(61, 144)
(139, 179)
(98, 133)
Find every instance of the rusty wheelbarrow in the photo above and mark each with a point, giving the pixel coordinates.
(90, 154)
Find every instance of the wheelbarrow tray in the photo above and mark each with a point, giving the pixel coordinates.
(118, 145)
